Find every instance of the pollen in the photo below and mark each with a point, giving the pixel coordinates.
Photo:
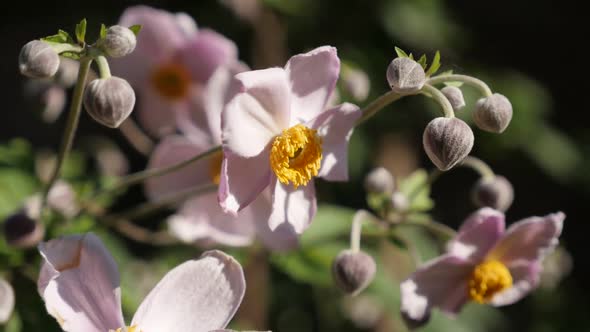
(171, 81)
(133, 328)
(488, 279)
(296, 155)
(215, 167)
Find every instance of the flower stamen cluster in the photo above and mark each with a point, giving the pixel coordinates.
(171, 81)
(488, 279)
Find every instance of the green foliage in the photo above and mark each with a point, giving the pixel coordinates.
(416, 187)
(62, 37)
(103, 31)
(135, 29)
(81, 31)
(434, 66)
(15, 186)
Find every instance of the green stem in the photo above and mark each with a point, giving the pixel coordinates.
(479, 166)
(103, 66)
(71, 125)
(377, 105)
(63, 47)
(444, 232)
(440, 98)
(474, 82)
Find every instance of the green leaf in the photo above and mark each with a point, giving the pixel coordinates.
(81, 31)
(70, 55)
(103, 31)
(330, 222)
(423, 61)
(435, 65)
(15, 186)
(401, 53)
(135, 28)
(62, 37)
(417, 189)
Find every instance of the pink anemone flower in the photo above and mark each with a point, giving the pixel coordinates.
(484, 263)
(171, 64)
(79, 283)
(277, 134)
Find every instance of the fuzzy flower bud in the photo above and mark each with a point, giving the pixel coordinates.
(21, 231)
(447, 141)
(379, 180)
(493, 113)
(109, 100)
(405, 76)
(353, 271)
(496, 193)
(399, 201)
(119, 41)
(6, 301)
(455, 97)
(37, 59)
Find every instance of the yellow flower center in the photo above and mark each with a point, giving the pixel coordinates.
(171, 81)
(488, 279)
(296, 155)
(215, 167)
(133, 328)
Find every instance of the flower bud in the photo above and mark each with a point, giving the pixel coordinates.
(496, 193)
(109, 100)
(455, 97)
(399, 201)
(22, 231)
(379, 180)
(493, 113)
(119, 41)
(6, 301)
(353, 271)
(37, 59)
(405, 76)
(447, 141)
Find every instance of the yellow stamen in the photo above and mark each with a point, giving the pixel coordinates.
(488, 279)
(215, 167)
(171, 81)
(133, 328)
(296, 155)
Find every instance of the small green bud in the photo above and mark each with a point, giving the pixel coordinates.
(119, 41)
(37, 59)
(447, 141)
(493, 113)
(6, 301)
(21, 231)
(109, 100)
(379, 180)
(496, 193)
(353, 271)
(455, 97)
(405, 76)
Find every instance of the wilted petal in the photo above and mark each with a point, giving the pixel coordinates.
(242, 179)
(525, 277)
(478, 234)
(83, 293)
(529, 239)
(296, 207)
(335, 126)
(257, 113)
(313, 77)
(198, 296)
(441, 283)
(6, 301)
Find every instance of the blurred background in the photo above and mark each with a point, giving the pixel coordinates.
(524, 50)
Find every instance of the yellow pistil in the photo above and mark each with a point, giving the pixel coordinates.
(133, 328)
(215, 167)
(171, 81)
(296, 155)
(488, 279)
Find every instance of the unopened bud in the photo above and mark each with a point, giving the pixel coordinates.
(455, 97)
(119, 41)
(399, 201)
(6, 301)
(109, 100)
(447, 141)
(493, 113)
(353, 271)
(405, 76)
(379, 180)
(496, 193)
(37, 59)
(22, 231)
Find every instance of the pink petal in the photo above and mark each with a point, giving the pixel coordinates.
(295, 207)
(478, 234)
(440, 283)
(203, 219)
(83, 293)
(282, 238)
(313, 77)
(198, 296)
(205, 52)
(257, 112)
(6, 301)
(156, 114)
(242, 179)
(172, 150)
(529, 239)
(525, 278)
(335, 126)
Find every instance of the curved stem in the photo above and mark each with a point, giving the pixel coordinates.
(71, 125)
(479, 166)
(136, 137)
(444, 232)
(377, 105)
(138, 233)
(103, 66)
(357, 224)
(474, 82)
(440, 98)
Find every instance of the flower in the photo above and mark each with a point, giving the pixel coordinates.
(276, 133)
(79, 283)
(483, 263)
(173, 60)
(201, 219)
